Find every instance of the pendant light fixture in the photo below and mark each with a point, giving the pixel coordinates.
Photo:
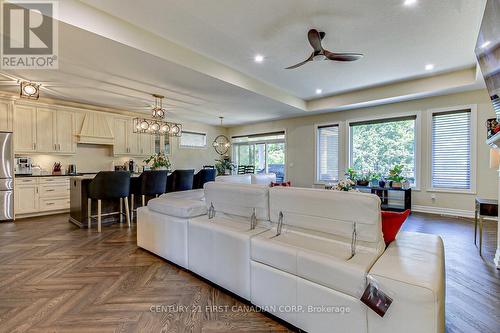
(157, 125)
(221, 143)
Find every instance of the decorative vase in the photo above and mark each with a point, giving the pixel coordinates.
(396, 185)
(161, 168)
(362, 183)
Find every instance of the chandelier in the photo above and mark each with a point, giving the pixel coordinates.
(157, 125)
(221, 143)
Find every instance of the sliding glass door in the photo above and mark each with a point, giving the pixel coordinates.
(266, 153)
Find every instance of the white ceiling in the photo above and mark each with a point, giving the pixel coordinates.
(98, 71)
(397, 41)
(116, 53)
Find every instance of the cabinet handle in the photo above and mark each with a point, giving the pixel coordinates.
(49, 190)
(49, 203)
(59, 145)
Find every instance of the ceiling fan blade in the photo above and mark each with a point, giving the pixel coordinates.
(342, 56)
(315, 40)
(301, 63)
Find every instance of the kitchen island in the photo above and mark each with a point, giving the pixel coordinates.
(79, 203)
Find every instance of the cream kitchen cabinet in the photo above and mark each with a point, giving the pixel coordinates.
(64, 132)
(43, 130)
(41, 195)
(25, 196)
(129, 143)
(6, 116)
(24, 129)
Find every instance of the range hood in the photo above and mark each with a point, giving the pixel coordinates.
(96, 130)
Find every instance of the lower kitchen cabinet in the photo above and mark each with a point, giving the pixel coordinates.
(40, 195)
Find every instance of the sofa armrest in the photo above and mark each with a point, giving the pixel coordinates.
(411, 271)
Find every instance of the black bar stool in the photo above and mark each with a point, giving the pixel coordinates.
(149, 183)
(203, 176)
(108, 185)
(180, 180)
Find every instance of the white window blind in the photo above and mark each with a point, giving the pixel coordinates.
(327, 154)
(451, 150)
(193, 140)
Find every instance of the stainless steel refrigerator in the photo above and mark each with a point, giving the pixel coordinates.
(6, 177)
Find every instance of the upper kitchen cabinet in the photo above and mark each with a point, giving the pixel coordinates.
(65, 130)
(6, 117)
(43, 130)
(129, 143)
(24, 129)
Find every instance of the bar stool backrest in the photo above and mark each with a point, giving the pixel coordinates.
(180, 180)
(110, 185)
(204, 176)
(153, 182)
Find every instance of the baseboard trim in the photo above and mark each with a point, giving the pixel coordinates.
(447, 212)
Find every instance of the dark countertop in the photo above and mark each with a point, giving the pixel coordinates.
(66, 175)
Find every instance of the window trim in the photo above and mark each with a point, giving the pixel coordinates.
(473, 149)
(341, 163)
(284, 130)
(181, 146)
(418, 139)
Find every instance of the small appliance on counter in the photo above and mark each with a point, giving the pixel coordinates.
(24, 166)
(131, 165)
(71, 169)
(120, 168)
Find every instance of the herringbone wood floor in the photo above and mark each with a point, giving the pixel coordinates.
(55, 277)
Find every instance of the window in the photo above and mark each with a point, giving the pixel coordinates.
(327, 153)
(379, 145)
(193, 140)
(266, 152)
(451, 150)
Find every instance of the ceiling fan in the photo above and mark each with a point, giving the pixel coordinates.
(315, 37)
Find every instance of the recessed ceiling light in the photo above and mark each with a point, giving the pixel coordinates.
(319, 91)
(429, 67)
(410, 2)
(30, 90)
(485, 44)
(259, 58)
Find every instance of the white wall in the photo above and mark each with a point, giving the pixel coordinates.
(301, 141)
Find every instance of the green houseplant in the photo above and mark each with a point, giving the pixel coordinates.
(159, 161)
(223, 166)
(351, 174)
(363, 179)
(396, 177)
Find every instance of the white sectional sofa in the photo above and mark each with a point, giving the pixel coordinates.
(162, 226)
(304, 255)
(260, 179)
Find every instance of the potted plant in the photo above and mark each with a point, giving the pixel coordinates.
(375, 179)
(396, 177)
(224, 166)
(160, 161)
(351, 174)
(363, 179)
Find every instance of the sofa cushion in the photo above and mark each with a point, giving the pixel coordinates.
(327, 211)
(325, 261)
(197, 194)
(238, 199)
(263, 178)
(238, 179)
(178, 207)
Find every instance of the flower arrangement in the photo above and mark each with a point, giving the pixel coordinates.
(160, 161)
(346, 185)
